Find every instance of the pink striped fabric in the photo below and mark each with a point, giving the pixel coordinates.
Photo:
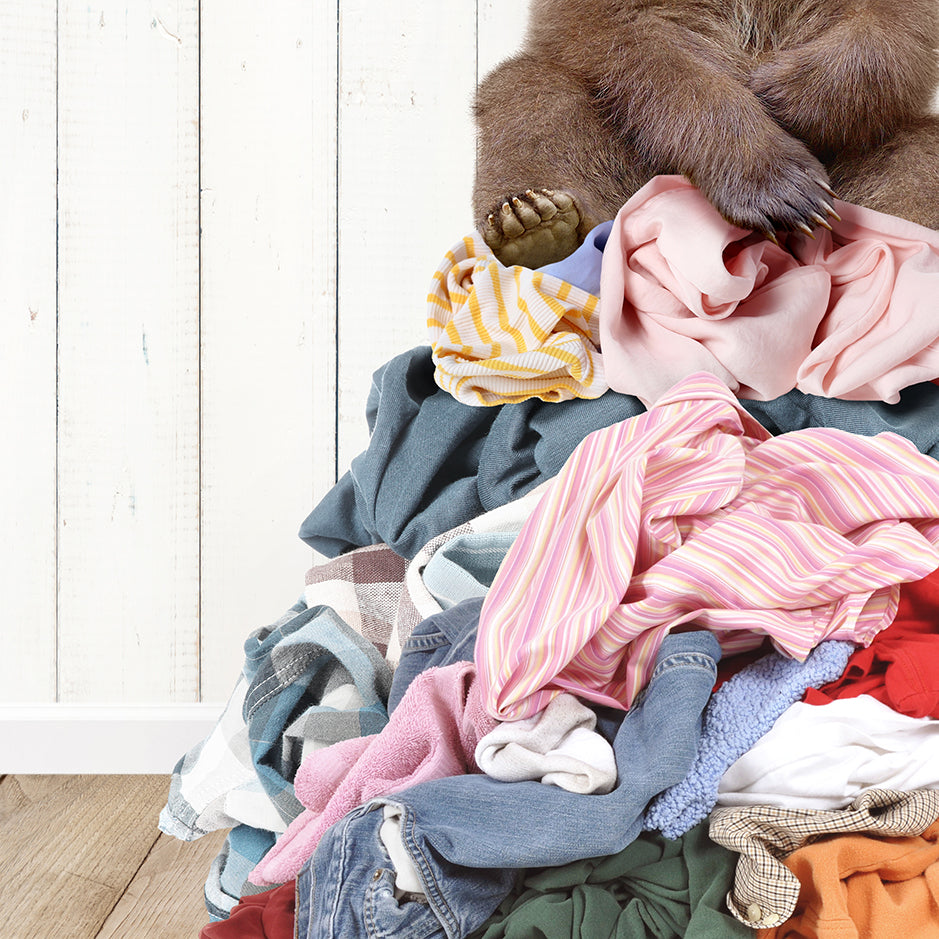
(692, 513)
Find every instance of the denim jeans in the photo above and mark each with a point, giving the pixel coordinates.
(468, 836)
(433, 462)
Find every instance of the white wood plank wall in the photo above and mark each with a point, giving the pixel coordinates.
(217, 220)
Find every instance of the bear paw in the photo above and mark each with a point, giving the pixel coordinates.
(533, 228)
(784, 188)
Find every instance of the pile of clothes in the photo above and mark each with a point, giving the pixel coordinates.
(631, 615)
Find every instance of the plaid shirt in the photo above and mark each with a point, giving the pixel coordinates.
(765, 891)
(318, 675)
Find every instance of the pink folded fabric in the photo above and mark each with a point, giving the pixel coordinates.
(848, 314)
(432, 733)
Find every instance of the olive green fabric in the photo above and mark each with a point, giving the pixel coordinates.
(655, 887)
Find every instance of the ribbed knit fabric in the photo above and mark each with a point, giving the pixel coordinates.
(503, 334)
(741, 711)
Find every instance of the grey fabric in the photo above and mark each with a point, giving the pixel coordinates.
(433, 462)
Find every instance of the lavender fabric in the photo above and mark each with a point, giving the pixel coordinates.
(741, 711)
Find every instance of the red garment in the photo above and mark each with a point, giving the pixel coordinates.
(731, 664)
(267, 915)
(901, 665)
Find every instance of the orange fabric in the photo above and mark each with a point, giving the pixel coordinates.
(862, 887)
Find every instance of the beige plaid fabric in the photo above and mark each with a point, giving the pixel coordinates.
(382, 596)
(765, 891)
(416, 601)
(363, 587)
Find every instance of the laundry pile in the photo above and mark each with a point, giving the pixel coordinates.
(630, 619)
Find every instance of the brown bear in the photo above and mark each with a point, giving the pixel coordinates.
(768, 106)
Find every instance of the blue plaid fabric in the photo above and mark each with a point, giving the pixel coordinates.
(309, 680)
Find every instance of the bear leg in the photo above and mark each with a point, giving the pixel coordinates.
(548, 167)
(899, 177)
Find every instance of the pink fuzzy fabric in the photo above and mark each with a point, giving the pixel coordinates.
(432, 733)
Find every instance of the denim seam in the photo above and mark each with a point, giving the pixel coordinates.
(368, 901)
(434, 894)
(423, 642)
(313, 886)
(333, 914)
(684, 660)
(372, 912)
(371, 924)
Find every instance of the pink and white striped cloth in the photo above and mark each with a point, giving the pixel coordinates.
(692, 514)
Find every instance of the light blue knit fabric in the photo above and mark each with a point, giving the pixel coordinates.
(741, 711)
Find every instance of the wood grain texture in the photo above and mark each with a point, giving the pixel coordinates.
(183, 397)
(166, 896)
(406, 156)
(324, 225)
(28, 349)
(70, 845)
(128, 322)
(259, 348)
(82, 858)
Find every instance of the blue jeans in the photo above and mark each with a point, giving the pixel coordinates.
(468, 836)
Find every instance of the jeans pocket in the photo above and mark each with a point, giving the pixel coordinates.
(386, 915)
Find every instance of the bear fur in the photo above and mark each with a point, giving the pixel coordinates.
(769, 107)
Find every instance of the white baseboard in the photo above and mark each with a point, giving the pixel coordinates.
(88, 738)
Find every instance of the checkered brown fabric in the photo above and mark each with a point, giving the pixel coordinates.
(765, 891)
(363, 587)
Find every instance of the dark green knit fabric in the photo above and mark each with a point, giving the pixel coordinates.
(656, 887)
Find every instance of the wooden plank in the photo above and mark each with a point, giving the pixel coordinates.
(69, 846)
(262, 356)
(166, 896)
(325, 231)
(28, 349)
(406, 155)
(128, 465)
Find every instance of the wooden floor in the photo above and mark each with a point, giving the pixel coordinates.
(81, 857)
